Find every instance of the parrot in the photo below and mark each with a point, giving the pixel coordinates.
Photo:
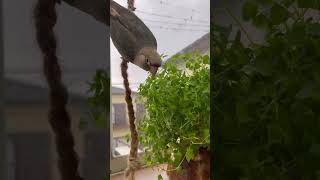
(133, 39)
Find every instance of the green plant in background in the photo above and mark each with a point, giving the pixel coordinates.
(177, 122)
(98, 103)
(266, 98)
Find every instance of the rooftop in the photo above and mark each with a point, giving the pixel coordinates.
(201, 45)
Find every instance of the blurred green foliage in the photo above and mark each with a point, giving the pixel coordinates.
(266, 97)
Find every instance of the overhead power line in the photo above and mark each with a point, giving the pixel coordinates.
(191, 19)
(166, 3)
(179, 29)
(176, 23)
(176, 6)
(173, 17)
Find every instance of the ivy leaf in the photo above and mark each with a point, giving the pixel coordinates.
(249, 10)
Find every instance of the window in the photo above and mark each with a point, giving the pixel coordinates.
(120, 131)
(120, 147)
(120, 115)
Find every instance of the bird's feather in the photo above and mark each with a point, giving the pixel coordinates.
(129, 34)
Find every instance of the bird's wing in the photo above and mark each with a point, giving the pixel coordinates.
(133, 24)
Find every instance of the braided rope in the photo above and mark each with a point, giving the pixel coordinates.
(133, 162)
(59, 119)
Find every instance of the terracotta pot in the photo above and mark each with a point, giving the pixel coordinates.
(197, 169)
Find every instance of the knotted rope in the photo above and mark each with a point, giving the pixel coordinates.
(133, 162)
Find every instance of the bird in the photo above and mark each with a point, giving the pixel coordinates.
(133, 39)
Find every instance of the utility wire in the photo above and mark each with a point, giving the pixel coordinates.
(176, 23)
(191, 19)
(166, 3)
(173, 17)
(176, 6)
(179, 29)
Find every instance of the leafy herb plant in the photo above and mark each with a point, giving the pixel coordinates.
(177, 122)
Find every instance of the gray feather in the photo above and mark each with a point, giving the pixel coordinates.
(128, 33)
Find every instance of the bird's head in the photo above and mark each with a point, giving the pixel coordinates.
(148, 59)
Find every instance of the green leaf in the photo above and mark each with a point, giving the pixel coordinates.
(206, 59)
(242, 112)
(278, 14)
(261, 66)
(314, 4)
(313, 29)
(287, 3)
(189, 154)
(306, 91)
(249, 10)
(260, 21)
(160, 177)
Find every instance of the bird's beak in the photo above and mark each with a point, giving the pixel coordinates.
(153, 70)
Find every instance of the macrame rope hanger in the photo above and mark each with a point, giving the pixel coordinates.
(133, 162)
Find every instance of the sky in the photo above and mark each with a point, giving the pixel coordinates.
(175, 24)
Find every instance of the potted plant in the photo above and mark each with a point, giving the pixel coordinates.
(176, 127)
